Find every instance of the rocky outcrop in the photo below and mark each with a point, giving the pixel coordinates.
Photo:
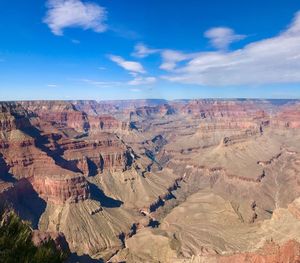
(59, 190)
(270, 252)
(147, 111)
(106, 123)
(82, 118)
(106, 153)
(288, 117)
(13, 116)
(62, 114)
(209, 108)
(40, 238)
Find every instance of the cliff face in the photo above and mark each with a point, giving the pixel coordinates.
(60, 114)
(54, 163)
(93, 156)
(13, 116)
(80, 117)
(106, 123)
(288, 117)
(59, 190)
(148, 111)
(270, 252)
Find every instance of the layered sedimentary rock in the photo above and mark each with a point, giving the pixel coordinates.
(288, 117)
(61, 189)
(106, 152)
(270, 252)
(106, 123)
(148, 111)
(62, 114)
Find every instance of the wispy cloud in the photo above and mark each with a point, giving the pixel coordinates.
(142, 51)
(172, 57)
(51, 85)
(131, 66)
(102, 84)
(124, 32)
(142, 81)
(222, 37)
(272, 60)
(62, 14)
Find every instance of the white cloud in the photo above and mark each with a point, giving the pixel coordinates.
(142, 81)
(102, 84)
(74, 13)
(222, 37)
(273, 60)
(52, 85)
(132, 66)
(172, 57)
(142, 51)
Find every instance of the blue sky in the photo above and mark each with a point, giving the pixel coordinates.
(126, 49)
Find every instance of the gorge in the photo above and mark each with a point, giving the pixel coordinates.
(207, 180)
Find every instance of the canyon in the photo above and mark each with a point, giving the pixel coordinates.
(207, 180)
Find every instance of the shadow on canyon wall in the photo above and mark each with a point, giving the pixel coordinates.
(24, 200)
(40, 143)
(74, 258)
(29, 205)
(106, 201)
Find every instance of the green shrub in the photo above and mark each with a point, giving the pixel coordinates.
(16, 245)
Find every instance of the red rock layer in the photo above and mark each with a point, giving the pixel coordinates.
(12, 116)
(147, 111)
(270, 253)
(29, 161)
(93, 156)
(64, 114)
(223, 108)
(58, 190)
(106, 123)
(59, 113)
(288, 117)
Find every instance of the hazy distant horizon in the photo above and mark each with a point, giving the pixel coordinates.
(156, 99)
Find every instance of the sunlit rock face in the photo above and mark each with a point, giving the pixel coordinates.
(59, 190)
(288, 117)
(157, 181)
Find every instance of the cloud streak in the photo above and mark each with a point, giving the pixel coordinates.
(102, 84)
(131, 66)
(142, 51)
(172, 57)
(142, 81)
(63, 14)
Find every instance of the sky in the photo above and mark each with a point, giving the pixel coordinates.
(137, 49)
